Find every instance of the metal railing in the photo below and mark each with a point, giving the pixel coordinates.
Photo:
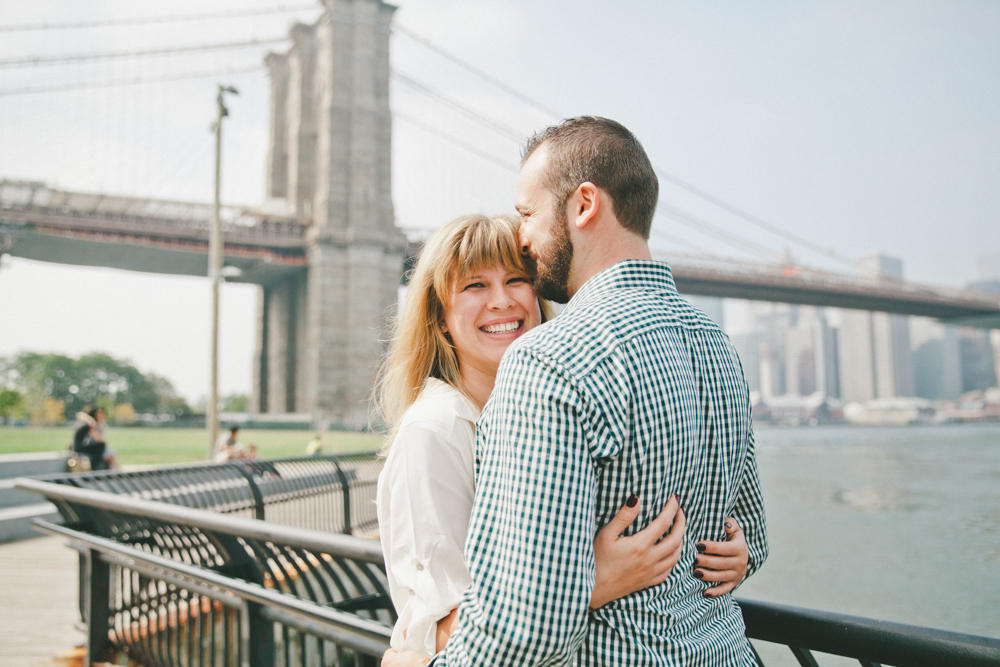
(329, 493)
(177, 586)
(173, 585)
(869, 641)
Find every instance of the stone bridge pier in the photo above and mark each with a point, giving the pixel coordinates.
(319, 330)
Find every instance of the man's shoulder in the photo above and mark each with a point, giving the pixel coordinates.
(589, 331)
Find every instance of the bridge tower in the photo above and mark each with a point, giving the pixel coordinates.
(318, 339)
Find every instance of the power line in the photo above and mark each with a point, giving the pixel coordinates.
(495, 125)
(58, 88)
(464, 64)
(201, 48)
(457, 142)
(281, 9)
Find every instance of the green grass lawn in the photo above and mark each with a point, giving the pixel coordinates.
(147, 446)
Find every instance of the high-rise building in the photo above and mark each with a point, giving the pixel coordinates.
(978, 363)
(937, 362)
(874, 348)
(747, 347)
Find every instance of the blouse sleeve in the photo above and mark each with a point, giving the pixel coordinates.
(430, 487)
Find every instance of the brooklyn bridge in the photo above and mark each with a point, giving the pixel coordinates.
(329, 260)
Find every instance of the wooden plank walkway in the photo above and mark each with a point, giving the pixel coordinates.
(38, 603)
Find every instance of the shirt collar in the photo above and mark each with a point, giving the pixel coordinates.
(459, 402)
(641, 274)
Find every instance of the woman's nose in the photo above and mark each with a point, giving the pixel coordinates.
(500, 298)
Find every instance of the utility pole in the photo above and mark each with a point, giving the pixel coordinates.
(216, 247)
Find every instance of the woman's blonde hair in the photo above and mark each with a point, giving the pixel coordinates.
(419, 349)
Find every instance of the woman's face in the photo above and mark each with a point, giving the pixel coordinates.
(489, 309)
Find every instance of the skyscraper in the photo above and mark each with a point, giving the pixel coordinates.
(874, 348)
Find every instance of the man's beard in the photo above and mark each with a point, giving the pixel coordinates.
(553, 263)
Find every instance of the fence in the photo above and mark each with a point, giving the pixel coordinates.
(194, 581)
(328, 493)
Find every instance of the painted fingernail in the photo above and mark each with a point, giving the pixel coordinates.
(632, 500)
(698, 574)
(729, 525)
(701, 547)
(677, 498)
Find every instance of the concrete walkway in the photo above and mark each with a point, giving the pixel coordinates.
(38, 603)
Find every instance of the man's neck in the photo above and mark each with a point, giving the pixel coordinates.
(606, 255)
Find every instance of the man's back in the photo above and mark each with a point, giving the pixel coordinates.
(630, 390)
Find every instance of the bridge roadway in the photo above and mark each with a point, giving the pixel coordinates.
(158, 236)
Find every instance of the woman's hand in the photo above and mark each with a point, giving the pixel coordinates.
(629, 564)
(723, 562)
(392, 658)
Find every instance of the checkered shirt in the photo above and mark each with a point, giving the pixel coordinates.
(629, 390)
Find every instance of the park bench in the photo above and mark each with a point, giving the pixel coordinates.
(183, 576)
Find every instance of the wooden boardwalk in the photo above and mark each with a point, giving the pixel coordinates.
(38, 603)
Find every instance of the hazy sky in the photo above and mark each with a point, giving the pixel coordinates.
(861, 126)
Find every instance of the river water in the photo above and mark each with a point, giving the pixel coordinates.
(901, 524)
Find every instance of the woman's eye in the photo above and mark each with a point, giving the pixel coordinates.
(474, 285)
(519, 279)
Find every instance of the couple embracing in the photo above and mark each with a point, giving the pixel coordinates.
(571, 490)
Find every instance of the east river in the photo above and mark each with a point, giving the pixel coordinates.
(901, 524)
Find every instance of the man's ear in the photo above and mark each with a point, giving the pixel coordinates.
(585, 204)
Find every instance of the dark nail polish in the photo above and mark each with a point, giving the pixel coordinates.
(698, 574)
(632, 500)
(701, 547)
(677, 498)
(729, 525)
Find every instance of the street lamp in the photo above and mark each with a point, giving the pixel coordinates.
(216, 247)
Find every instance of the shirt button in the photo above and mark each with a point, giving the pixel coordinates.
(420, 567)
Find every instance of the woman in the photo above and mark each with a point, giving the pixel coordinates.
(469, 297)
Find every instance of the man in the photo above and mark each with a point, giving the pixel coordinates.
(630, 390)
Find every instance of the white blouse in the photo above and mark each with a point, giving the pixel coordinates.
(424, 498)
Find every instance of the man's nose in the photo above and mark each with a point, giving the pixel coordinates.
(525, 245)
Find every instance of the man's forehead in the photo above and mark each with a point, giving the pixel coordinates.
(529, 180)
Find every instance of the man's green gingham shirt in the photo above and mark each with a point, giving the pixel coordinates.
(629, 390)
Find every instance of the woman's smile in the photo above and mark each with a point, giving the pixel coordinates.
(488, 309)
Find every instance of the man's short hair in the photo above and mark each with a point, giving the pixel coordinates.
(604, 152)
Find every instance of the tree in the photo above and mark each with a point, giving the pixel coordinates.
(235, 403)
(123, 413)
(11, 404)
(93, 379)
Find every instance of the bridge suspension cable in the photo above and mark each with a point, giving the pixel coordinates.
(466, 65)
(150, 20)
(66, 87)
(90, 57)
(668, 176)
(495, 125)
(455, 141)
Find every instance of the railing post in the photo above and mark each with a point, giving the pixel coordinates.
(346, 492)
(258, 497)
(97, 606)
(261, 640)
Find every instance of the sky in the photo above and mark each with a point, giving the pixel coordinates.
(859, 126)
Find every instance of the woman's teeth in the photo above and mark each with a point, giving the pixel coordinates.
(506, 327)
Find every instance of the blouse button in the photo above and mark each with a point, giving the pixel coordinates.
(420, 567)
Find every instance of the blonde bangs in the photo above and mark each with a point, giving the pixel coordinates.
(477, 243)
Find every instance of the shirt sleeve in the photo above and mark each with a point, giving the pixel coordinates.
(749, 511)
(530, 545)
(430, 487)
